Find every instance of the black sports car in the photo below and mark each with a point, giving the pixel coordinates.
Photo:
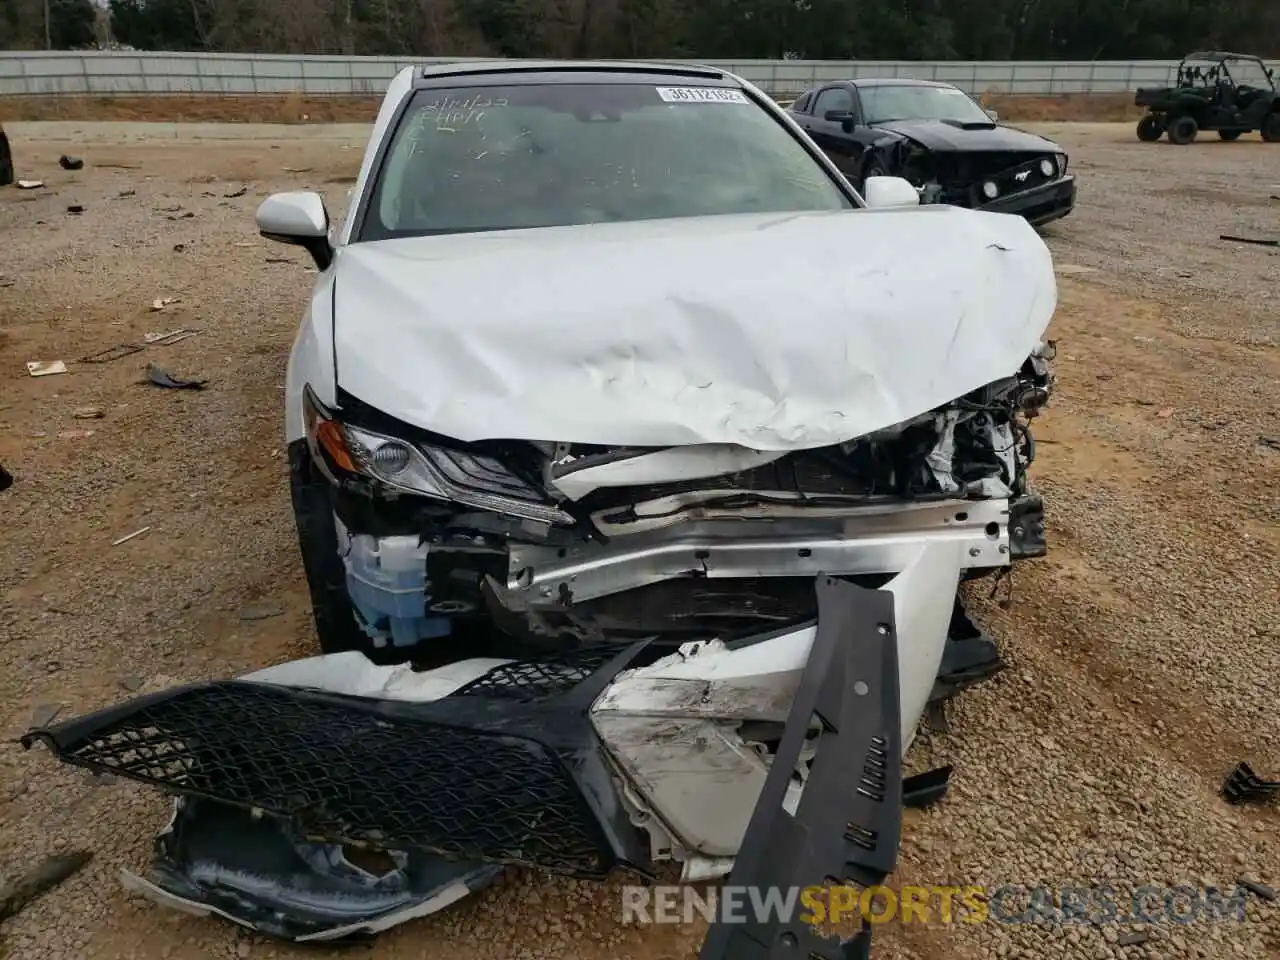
(940, 139)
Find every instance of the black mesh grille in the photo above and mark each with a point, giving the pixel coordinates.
(342, 772)
(539, 678)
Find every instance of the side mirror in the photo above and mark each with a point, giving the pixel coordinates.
(298, 217)
(995, 117)
(883, 192)
(842, 117)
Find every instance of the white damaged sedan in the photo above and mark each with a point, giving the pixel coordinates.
(637, 462)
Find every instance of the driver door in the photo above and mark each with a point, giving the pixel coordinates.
(841, 145)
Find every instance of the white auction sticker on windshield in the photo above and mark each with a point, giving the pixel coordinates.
(701, 95)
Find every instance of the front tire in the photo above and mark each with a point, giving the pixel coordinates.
(6, 161)
(1150, 129)
(1271, 127)
(335, 618)
(1183, 130)
(871, 169)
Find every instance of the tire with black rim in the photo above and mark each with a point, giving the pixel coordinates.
(6, 161)
(1183, 130)
(335, 618)
(1150, 128)
(1229, 135)
(871, 169)
(1271, 127)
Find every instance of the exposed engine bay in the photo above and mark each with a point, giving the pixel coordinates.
(726, 552)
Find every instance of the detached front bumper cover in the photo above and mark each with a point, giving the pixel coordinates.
(277, 784)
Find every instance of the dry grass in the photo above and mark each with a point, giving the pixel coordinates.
(296, 108)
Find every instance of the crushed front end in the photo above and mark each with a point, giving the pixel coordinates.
(550, 546)
(1035, 186)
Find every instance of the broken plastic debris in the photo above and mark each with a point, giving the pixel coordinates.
(925, 789)
(87, 413)
(75, 208)
(70, 163)
(74, 434)
(1244, 786)
(112, 353)
(244, 866)
(30, 184)
(165, 339)
(45, 368)
(162, 378)
(159, 303)
(236, 193)
(129, 536)
(1258, 889)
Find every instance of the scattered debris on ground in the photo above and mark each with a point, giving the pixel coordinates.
(1254, 240)
(168, 339)
(162, 378)
(46, 875)
(1260, 890)
(108, 354)
(129, 536)
(70, 163)
(45, 368)
(925, 789)
(29, 184)
(1244, 786)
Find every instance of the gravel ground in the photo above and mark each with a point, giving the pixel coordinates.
(1143, 650)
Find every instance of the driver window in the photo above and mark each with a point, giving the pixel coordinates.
(833, 98)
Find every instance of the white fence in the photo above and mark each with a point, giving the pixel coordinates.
(124, 73)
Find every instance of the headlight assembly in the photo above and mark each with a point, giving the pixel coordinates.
(463, 478)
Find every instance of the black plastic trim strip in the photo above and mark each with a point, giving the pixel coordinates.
(848, 824)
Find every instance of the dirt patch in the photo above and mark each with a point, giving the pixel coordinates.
(295, 108)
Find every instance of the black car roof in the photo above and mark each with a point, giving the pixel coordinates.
(569, 71)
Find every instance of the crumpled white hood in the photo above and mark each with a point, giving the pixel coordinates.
(775, 332)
